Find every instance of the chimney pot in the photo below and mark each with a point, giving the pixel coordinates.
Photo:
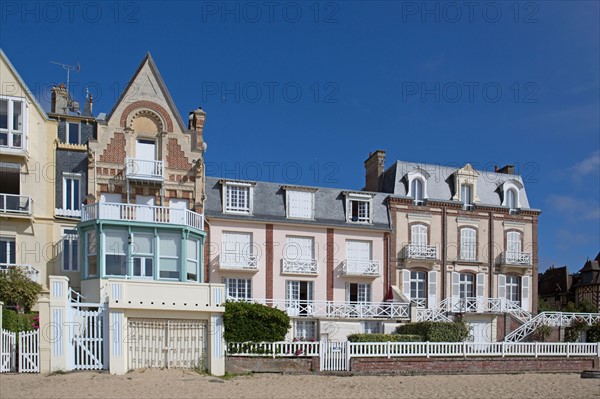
(374, 168)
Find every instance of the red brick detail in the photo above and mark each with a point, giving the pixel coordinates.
(148, 105)
(207, 252)
(269, 260)
(330, 265)
(115, 151)
(176, 158)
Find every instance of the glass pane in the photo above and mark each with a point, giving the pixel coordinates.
(73, 133)
(192, 271)
(170, 245)
(192, 249)
(66, 254)
(74, 255)
(115, 265)
(4, 139)
(92, 266)
(91, 242)
(149, 267)
(142, 244)
(75, 194)
(4, 115)
(168, 268)
(116, 242)
(137, 266)
(69, 194)
(17, 116)
(17, 140)
(3, 252)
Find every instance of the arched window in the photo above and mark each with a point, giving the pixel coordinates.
(418, 235)
(417, 190)
(511, 198)
(468, 244)
(513, 246)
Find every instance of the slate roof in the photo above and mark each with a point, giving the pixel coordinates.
(555, 280)
(269, 206)
(589, 273)
(440, 184)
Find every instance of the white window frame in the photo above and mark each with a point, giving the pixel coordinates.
(68, 131)
(305, 330)
(468, 244)
(289, 194)
(364, 199)
(144, 256)
(70, 257)
(415, 279)
(363, 292)
(10, 130)
(68, 179)
(467, 285)
(513, 288)
(515, 186)
(227, 208)
(6, 241)
(412, 177)
(91, 250)
(240, 287)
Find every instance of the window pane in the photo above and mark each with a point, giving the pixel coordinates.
(142, 244)
(116, 242)
(168, 268)
(69, 193)
(192, 270)
(92, 266)
(170, 245)
(75, 194)
(74, 254)
(137, 266)
(17, 140)
(4, 115)
(66, 254)
(4, 139)
(73, 136)
(149, 267)
(192, 249)
(17, 116)
(115, 265)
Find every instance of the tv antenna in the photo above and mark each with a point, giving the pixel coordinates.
(69, 68)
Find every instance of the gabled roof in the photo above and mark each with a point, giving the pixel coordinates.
(24, 85)
(161, 84)
(554, 281)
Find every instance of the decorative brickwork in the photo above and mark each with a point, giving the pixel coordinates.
(330, 265)
(148, 105)
(269, 260)
(115, 151)
(176, 158)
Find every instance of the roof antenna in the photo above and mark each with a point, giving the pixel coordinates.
(69, 68)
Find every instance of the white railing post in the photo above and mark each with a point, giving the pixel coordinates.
(568, 352)
(465, 349)
(503, 348)
(388, 350)
(536, 349)
(427, 349)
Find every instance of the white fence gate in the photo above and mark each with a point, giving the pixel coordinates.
(7, 351)
(87, 342)
(334, 356)
(160, 343)
(29, 351)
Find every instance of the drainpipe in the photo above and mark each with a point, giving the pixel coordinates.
(491, 253)
(443, 280)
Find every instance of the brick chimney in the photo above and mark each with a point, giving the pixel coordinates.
(374, 167)
(196, 122)
(507, 170)
(60, 100)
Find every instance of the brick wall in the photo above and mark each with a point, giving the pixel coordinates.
(176, 158)
(115, 151)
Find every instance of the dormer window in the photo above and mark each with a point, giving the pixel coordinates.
(465, 189)
(466, 196)
(13, 123)
(417, 191)
(73, 133)
(300, 202)
(237, 197)
(511, 198)
(417, 185)
(359, 208)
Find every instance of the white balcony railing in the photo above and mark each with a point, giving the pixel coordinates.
(338, 310)
(238, 261)
(418, 251)
(70, 213)
(354, 267)
(18, 204)
(142, 213)
(143, 169)
(483, 305)
(517, 258)
(34, 274)
(300, 266)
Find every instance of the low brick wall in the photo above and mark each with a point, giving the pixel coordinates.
(472, 365)
(285, 365)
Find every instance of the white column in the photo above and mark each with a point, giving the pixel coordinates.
(57, 330)
(216, 345)
(116, 350)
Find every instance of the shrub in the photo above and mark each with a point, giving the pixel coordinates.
(573, 333)
(253, 322)
(584, 306)
(436, 331)
(593, 334)
(17, 289)
(15, 322)
(384, 338)
(542, 333)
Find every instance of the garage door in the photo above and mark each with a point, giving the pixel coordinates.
(161, 343)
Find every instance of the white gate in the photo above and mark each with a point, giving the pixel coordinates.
(160, 343)
(29, 351)
(7, 351)
(333, 356)
(88, 346)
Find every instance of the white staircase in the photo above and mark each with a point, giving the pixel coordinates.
(552, 319)
(424, 314)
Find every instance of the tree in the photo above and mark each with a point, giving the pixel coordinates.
(584, 306)
(17, 289)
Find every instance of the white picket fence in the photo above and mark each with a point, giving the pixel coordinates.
(29, 352)
(7, 351)
(87, 343)
(273, 349)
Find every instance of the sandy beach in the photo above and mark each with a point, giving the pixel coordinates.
(185, 383)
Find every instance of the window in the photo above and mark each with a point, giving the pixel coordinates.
(306, 330)
(70, 252)
(418, 288)
(193, 259)
(513, 245)
(237, 198)
(372, 327)
(115, 259)
(358, 292)
(511, 199)
(237, 250)
(299, 248)
(91, 253)
(466, 196)
(417, 191)
(8, 254)
(300, 204)
(513, 289)
(12, 123)
(238, 288)
(73, 133)
(467, 285)
(299, 291)
(71, 191)
(142, 251)
(170, 251)
(468, 244)
(358, 207)
(418, 235)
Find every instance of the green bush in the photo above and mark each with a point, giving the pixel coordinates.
(17, 289)
(436, 331)
(542, 333)
(593, 333)
(578, 326)
(253, 322)
(384, 338)
(13, 321)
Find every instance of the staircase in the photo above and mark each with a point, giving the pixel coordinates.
(552, 319)
(424, 314)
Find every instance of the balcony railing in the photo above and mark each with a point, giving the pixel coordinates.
(338, 310)
(70, 213)
(517, 258)
(143, 169)
(142, 213)
(483, 305)
(34, 274)
(353, 267)
(418, 251)
(238, 261)
(18, 204)
(300, 266)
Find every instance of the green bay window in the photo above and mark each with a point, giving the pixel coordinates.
(170, 251)
(115, 249)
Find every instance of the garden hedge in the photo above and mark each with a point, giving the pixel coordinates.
(384, 338)
(253, 322)
(436, 331)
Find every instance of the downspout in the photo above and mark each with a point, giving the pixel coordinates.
(444, 223)
(491, 253)
(389, 249)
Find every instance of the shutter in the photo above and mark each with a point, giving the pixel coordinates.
(502, 290)
(525, 292)
(300, 204)
(358, 250)
(419, 235)
(309, 291)
(406, 283)
(237, 248)
(432, 282)
(299, 248)
(479, 291)
(455, 289)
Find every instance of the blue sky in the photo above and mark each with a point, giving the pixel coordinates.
(300, 92)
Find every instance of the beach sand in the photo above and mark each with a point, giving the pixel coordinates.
(187, 383)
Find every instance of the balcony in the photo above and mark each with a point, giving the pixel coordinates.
(299, 266)
(339, 310)
(513, 258)
(31, 271)
(68, 213)
(420, 252)
(238, 261)
(361, 268)
(16, 204)
(142, 213)
(482, 305)
(144, 170)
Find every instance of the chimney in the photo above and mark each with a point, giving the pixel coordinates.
(374, 167)
(196, 123)
(60, 100)
(507, 170)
